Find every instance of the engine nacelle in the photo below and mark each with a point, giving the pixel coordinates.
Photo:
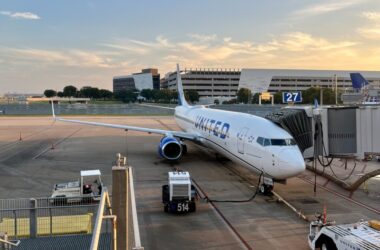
(170, 148)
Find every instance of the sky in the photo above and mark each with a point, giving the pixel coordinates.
(50, 44)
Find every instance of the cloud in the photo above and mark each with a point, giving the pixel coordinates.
(203, 38)
(372, 30)
(72, 58)
(20, 15)
(295, 50)
(120, 57)
(375, 16)
(326, 7)
(370, 33)
(299, 41)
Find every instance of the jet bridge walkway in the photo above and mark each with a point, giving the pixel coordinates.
(297, 123)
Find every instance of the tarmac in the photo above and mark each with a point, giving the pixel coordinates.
(51, 153)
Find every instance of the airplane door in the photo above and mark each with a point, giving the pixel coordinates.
(241, 140)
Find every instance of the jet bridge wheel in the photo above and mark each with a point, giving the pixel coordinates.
(266, 189)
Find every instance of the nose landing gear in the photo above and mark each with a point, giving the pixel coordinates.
(266, 187)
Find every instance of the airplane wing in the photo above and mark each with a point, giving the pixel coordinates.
(179, 134)
(156, 106)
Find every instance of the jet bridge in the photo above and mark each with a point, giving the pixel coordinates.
(342, 136)
(297, 123)
(346, 131)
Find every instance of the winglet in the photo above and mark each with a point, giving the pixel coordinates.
(52, 108)
(181, 96)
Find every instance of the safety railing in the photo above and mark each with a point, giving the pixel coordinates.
(106, 216)
(31, 218)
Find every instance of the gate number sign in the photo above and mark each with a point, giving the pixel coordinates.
(288, 97)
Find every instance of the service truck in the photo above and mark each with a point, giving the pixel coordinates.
(364, 235)
(87, 189)
(179, 195)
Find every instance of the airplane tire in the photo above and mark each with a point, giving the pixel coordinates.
(262, 189)
(265, 189)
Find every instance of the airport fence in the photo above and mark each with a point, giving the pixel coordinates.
(38, 217)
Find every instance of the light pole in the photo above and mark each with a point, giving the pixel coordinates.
(336, 89)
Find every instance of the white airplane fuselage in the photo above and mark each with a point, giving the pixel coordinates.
(236, 136)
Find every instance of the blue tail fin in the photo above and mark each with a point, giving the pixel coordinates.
(181, 96)
(316, 104)
(358, 81)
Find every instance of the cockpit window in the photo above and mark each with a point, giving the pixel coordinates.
(260, 141)
(267, 142)
(275, 142)
(291, 142)
(278, 142)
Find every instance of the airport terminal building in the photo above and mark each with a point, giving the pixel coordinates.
(222, 84)
(146, 79)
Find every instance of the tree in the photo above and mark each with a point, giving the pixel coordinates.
(147, 93)
(192, 95)
(105, 94)
(164, 95)
(60, 94)
(255, 98)
(127, 95)
(244, 95)
(89, 92)
(69, 91)
(328, 96)
(310, 94)
(50, 93)
(277, 97)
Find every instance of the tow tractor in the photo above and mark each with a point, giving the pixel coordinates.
(87, 189)
(179, 195)
(359, 236)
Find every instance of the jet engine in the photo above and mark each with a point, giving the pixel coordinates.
(170, 148)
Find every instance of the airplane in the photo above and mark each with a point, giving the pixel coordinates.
(249, 140)
(360, 84)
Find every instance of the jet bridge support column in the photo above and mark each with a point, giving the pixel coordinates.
(120, 206)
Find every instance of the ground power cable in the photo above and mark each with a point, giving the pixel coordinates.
(206, 198)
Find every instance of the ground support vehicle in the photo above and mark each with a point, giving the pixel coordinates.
(87, 189)
(364, 235)
(179, 195)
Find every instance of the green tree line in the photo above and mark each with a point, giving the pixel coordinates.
(245, 96)
(150, 95)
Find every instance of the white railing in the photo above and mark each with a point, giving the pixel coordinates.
(136, 231)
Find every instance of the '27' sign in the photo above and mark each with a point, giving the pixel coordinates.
(288, 97)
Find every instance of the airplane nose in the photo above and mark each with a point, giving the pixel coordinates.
(292, 163)
(298, 165)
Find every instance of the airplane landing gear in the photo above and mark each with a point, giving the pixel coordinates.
(266, 187)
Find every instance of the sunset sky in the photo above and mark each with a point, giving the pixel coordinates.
(50, 44)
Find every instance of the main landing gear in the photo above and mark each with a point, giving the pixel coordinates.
(266, 186)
